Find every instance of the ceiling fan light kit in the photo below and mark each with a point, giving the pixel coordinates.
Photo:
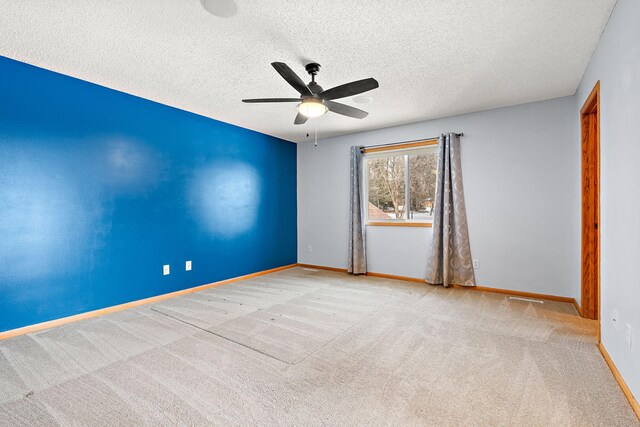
(312, 108)
(314, 101)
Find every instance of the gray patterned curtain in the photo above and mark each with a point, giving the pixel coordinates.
(450, 262)
(357, 255)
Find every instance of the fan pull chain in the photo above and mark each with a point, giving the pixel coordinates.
(316, 125)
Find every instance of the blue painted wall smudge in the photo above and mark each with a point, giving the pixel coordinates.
(99, 189)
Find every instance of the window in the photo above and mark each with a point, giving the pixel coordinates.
(401, 184)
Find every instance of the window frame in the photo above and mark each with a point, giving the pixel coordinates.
(397, 149)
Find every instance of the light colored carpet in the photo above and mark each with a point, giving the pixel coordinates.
(303, 347)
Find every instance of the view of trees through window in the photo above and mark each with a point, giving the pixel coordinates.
(387, 186)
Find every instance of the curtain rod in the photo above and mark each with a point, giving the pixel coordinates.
(407, 142)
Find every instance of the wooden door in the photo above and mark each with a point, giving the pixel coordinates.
(590, 125)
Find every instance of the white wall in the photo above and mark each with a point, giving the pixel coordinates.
(514, 159)
(616, 63)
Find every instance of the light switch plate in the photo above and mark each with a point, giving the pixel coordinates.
(187, 266)
(166, 270)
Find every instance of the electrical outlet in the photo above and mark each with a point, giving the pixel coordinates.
(187, 266)
(309, 249)
(614, 318)
(476, 263)
(628, 335)
(166, 270)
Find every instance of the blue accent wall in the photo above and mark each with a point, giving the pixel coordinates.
(99, 189)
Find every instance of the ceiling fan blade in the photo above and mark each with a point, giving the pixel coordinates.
(349, 89)
(345, 110)
(271, 100)
(292, 78)
(300, 119)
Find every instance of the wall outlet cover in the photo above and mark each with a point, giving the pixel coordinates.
(476, 263)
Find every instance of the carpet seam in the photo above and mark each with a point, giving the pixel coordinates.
(271, 356)
(221, 336)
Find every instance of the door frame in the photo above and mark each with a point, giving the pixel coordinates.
(590, 109)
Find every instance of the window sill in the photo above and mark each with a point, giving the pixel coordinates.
(398, 224)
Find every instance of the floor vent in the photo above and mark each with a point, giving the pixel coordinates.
(527, 299)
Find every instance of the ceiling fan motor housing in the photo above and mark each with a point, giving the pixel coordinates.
(315, 88)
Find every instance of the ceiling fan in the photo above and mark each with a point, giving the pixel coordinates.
(315, 101)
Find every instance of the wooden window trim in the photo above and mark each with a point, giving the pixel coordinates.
(398, 223)
(418, 144)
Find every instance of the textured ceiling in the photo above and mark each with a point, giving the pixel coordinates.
(433, 58)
